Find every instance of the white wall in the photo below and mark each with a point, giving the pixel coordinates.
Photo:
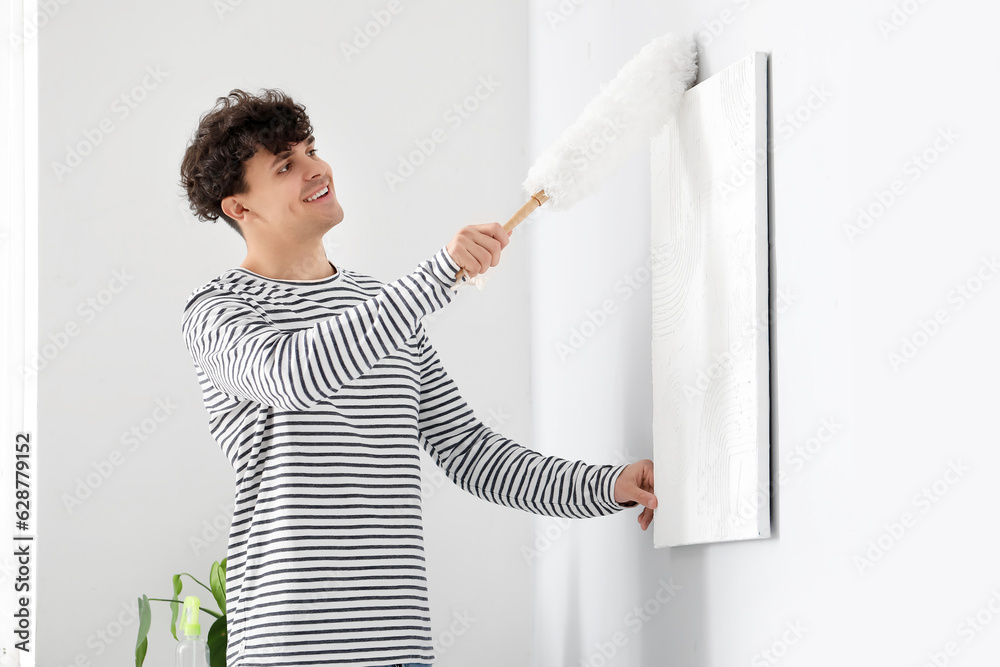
(121, 209)
(849, 305)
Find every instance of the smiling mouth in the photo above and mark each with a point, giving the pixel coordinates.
(319, 195)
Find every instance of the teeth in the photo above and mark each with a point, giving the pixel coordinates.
(319, 194)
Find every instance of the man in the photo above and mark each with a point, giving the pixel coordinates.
(321, 383)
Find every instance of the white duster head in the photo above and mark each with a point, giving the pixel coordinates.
(627, 113)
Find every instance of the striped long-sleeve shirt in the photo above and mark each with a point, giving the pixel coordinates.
(320, 392)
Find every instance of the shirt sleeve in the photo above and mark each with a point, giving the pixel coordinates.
(495, 468)
(246, 356)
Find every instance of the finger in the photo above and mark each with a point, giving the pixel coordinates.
(496, 230)
(641, 496)
(496, 258)
(645, 498)
(645, 475)
(646, 472)
(493, 247)
(483, 257)
(648, 499)
(467, 261)
(645, 518)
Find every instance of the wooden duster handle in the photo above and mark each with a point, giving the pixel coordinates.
(536, 200)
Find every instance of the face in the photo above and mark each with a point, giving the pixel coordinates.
(275, 206)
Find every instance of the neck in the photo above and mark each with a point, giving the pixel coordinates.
(305, 261)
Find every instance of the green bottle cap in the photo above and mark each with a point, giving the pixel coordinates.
(189, 616)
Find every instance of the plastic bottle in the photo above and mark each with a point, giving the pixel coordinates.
(192, 651)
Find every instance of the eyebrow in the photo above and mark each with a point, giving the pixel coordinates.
(287, 154)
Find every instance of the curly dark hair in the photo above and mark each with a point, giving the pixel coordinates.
(214, 164)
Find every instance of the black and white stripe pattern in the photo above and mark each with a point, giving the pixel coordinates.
(320, 393)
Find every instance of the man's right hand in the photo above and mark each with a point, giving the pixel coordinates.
(476, 248)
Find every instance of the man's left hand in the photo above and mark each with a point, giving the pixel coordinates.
(635, 485)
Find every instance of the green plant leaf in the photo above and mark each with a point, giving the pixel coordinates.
(145, 620)
(140, 652)
(174, 605)
(218, 640)
(218, 581)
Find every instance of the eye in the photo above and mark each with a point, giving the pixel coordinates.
(282, 170)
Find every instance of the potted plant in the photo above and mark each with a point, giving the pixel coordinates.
(217, 637)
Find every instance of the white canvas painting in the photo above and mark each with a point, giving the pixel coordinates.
(711, 408)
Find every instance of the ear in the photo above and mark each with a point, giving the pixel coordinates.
(234, 209)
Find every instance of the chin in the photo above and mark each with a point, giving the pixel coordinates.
(335, 220)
